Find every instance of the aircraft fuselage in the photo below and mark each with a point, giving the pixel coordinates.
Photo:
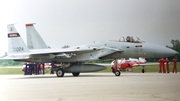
(105, 50)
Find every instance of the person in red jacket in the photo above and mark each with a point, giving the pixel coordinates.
(175, 65)
(160, 71)
(35, 69)
(41, 68)
(163, 65)
(167, 65)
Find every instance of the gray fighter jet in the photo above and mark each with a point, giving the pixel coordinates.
(72, 59)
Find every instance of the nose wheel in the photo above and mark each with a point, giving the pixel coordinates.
(117, 73)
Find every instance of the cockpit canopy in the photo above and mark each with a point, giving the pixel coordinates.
(129, 39)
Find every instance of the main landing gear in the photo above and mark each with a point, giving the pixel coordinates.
(75, 74)
(60, 72)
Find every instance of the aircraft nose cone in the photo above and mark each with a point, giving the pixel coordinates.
(165, 52)
(171, 52)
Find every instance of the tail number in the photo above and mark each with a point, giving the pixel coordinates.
(18, 49)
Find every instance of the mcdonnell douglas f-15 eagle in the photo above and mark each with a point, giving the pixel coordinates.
(72, 59)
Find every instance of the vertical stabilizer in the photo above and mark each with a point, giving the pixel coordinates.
(34, 40)
(15, 42)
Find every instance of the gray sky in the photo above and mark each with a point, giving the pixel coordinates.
(77, 22)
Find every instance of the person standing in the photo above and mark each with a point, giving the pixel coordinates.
(27, 69)
(174, 65)
(41, 68)
(38, 68)
(30, 68)
(51, 69)
(24, 68)
(160, 65)
(163, 65)
(167, 65)
(43, 65)
(35, 68)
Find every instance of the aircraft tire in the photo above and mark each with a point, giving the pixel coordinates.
(143, 71)
(75, 74)
(117, 73)
(60, 72)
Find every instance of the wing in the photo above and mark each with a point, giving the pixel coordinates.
(51, 53)
(61, 53)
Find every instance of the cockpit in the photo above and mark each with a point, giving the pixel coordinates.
(130, 39)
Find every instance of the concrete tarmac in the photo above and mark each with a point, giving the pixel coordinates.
(91, 87)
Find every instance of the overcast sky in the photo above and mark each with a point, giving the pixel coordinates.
(78, 22)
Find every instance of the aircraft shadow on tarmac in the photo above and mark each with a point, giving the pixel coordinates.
(90, 75)
(66, 76)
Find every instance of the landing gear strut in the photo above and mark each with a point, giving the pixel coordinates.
(58, 69)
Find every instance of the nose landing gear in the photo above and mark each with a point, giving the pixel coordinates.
(115, 68)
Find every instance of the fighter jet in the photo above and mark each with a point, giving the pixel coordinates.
(73, 59)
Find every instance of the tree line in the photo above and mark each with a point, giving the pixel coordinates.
(175, 46)
(9, 62)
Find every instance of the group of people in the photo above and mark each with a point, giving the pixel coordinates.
(164, 65)
(33, 68)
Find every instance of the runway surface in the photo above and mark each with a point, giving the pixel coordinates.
(91, 87)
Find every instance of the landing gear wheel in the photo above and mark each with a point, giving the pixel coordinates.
(143, 70)
(117, 73)
(75, 74)
(60, 73)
